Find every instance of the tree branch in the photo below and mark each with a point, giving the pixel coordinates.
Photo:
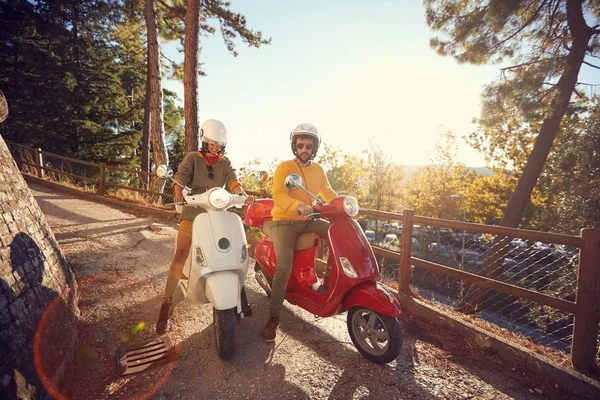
(525, 25)
(167, 58)
(591, 65)
(551, 22)
(521, 65)
(580, 95)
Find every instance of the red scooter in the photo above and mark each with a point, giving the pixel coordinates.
(351, 284)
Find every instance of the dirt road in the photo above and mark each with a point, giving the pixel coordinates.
(120, 261)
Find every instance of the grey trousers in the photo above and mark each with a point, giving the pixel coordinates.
(284, 235)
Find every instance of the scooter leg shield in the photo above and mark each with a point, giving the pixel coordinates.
(223, 289)
(371, 296)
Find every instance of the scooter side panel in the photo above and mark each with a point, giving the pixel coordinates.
(348, 240)
(265, 252)
(208, 231)
(218, 290)
(374, 297)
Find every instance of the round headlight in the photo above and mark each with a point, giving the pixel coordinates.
(219, 198)
(351, 206)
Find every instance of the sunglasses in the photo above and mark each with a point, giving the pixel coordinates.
(300, 146)
(211, 174)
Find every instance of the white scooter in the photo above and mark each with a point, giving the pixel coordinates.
(218, 262)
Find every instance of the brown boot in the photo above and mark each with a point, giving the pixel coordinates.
(245, 305)
(270, 330)
(166, 309)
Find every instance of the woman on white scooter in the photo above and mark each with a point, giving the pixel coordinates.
(200, 171)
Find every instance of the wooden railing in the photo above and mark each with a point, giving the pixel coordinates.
(586, 308)
(25, 155)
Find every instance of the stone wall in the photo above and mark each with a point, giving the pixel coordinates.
(38, 294)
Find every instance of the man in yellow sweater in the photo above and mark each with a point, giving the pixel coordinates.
(290, 212)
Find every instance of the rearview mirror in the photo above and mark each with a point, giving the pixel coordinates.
(293, 181)
(164, 171)
(263, 176)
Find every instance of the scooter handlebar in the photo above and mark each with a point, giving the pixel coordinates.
(237, 200)
(176, 203)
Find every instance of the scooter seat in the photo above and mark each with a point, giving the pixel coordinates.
(304, 241)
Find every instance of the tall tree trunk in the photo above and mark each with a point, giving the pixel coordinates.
(190, 74)
(581, 34)
(146, 131)
(157, 127)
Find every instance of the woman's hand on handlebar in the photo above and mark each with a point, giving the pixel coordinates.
(249, 199)
(178, 195)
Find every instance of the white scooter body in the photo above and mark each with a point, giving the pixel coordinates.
(218, 262)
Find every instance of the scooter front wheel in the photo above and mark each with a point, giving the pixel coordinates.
(376, 336)
(224, 332)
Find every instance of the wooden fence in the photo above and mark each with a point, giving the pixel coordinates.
(585, 308)
(35, 160)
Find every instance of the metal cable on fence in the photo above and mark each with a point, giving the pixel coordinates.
(539, 271)
(533, 267)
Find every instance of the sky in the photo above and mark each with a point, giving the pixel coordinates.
(361, 71)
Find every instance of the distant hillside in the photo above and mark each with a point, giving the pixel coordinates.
(409, 170)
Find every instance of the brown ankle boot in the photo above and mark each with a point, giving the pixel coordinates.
(270, 330)
(163, 323)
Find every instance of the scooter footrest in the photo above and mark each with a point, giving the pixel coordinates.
(141, 357)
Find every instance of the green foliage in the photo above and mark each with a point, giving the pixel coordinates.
(572, 179)
(231, 24)
(174, 135)
(429, 190)
(383, 182)
(248, 174)
(487, 197)
(533, 32)
(70, 84)
(547, 42)
(373, 179)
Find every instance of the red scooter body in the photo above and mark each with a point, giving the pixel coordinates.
(352, 283)
(346, 239)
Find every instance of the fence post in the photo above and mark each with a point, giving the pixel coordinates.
(102, 178)
(587, 304)
(405, 249)
(39, 163)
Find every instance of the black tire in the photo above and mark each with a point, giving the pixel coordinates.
(224, 332)
(376, 336)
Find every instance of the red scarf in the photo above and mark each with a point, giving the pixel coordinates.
(210, 158)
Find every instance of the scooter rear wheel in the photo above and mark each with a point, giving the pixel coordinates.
(376, 336)
(224, 332)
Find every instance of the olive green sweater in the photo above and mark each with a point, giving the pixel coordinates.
(193, 172)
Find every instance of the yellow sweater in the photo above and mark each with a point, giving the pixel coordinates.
(287, 201)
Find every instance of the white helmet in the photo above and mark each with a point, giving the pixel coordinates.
(213, 131)
(307, 130)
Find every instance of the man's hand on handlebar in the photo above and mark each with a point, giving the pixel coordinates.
(305, 210)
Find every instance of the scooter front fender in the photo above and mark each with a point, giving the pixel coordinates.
(374, 297)
(223, 289)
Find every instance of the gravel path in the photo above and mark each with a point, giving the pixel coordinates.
(120, 261)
